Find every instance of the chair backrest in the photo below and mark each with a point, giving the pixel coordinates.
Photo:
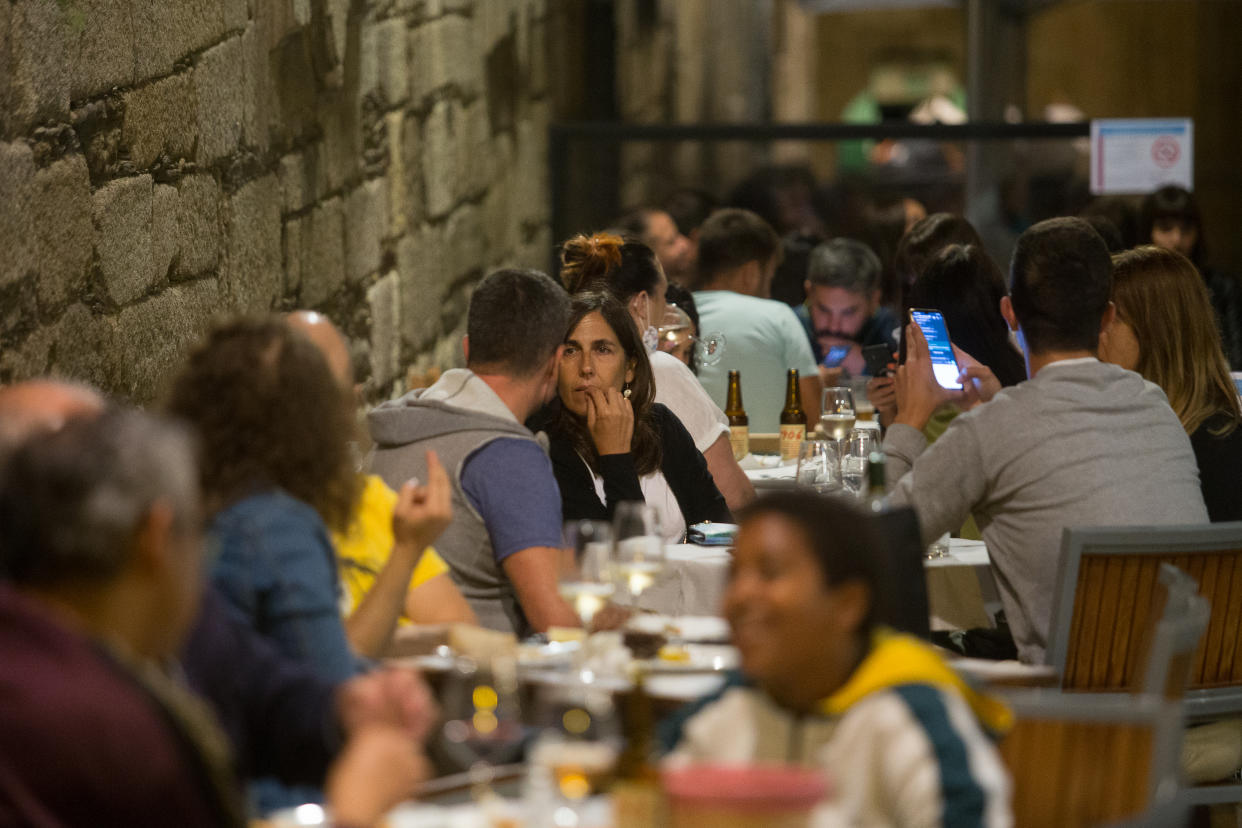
(1080, 761)
(902, 599)
(1108, 599)
(1176, 637)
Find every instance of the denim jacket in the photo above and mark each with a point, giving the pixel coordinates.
(276, 565)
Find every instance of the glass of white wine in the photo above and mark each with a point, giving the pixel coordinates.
(836, 412)
(638, 558)
(584, 567)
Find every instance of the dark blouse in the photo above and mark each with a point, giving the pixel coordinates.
(683, 466)
(1220, 468)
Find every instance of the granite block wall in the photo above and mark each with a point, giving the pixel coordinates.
(164, 163)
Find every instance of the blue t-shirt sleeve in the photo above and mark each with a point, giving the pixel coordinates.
(510, 483)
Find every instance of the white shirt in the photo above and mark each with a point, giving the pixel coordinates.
(679, 390)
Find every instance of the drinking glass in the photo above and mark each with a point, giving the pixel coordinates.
(638, 558)
(584, 572)
(710, 348)
(819, 465)
(855, 451)
(836, 412)
(482, 722)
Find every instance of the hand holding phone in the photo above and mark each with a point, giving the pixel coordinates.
(939, 348)
(877, 358)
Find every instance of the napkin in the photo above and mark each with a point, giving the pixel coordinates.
(712, 534)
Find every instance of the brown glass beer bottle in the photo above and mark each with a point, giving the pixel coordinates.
(793, 419)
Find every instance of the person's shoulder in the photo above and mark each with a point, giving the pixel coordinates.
(266, 508)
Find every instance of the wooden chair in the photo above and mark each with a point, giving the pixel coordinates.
(1109, 592)
(1108, 596)
(1088, 760)
(1084, 761)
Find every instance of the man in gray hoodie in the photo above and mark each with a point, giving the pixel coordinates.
(506, 530)
(1080, 443)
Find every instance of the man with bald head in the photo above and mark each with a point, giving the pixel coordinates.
(383, 580)
(42, 405)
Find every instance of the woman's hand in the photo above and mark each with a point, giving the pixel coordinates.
(979, 384)
(423, 512)
(610, 419)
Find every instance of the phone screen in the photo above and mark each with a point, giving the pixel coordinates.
(835, 355)
(944, 366)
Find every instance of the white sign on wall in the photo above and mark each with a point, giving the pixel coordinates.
(1139, 155)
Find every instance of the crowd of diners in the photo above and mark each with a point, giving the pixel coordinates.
(196, 598)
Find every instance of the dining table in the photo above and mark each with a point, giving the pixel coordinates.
(961, 588)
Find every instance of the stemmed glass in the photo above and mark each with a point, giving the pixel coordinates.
(639, 556)
(482, 722)
(579, 741)
(819, 465)
(584, 571)
(856, 449)
(836, 412)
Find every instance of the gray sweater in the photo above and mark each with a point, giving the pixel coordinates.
(1084, 443)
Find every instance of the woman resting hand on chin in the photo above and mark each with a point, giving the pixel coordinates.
(609, 442)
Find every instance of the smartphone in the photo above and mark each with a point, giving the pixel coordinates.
(836, 354)
(944, 366)
(877, 358)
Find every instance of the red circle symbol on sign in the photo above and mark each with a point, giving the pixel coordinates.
(1165, 151)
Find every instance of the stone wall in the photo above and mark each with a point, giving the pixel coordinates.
(167, 162)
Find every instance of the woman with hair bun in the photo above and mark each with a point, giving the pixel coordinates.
(630, 271)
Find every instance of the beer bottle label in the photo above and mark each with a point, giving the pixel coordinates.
(792, 436)
(739, 439)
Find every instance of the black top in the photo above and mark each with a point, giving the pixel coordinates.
(1220, 468)
(683, 466)
(1226, 297)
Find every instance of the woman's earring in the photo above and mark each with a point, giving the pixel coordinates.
(626, 392)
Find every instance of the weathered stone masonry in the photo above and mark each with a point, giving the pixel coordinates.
(167, 162)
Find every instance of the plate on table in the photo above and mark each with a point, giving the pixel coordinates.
(701, 629)
(694, 658)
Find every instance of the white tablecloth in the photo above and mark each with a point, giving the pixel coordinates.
(693, 581)
(961, 590)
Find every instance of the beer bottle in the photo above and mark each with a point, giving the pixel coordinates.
(637, 800)
(793, 419)
(739, 423)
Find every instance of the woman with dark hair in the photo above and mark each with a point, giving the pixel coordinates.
(900, 735)
(1163, 330)
(1170, 218)
(927, 237)
(964, 284)
(610, 441)
(630, 271)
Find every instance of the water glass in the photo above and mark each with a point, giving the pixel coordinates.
(836, 412)
(855, 451)
(819, 466)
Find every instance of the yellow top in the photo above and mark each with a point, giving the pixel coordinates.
(363, 551)
(897, 659)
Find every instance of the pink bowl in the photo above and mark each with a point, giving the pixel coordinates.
(766, 788)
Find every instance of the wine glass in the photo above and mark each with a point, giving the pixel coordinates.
(836, 412)
(482, 722)
(639, 552)
(579, 739)
(710, 348)
(584, 574)
(855, 451)
(819, 465)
